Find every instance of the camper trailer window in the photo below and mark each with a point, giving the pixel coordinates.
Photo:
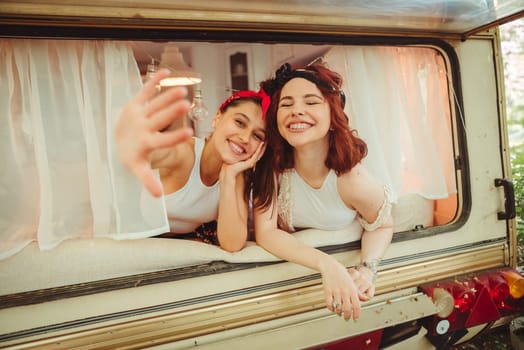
(72, 214)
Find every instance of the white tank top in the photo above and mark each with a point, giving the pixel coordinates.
(195, 203)
(319, 208)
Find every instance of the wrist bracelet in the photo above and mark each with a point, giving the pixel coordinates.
(372, 265)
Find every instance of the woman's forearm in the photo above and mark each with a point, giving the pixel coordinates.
(287, 247)
(375, 243)
(232, 214)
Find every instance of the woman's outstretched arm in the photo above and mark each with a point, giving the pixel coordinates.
(138, 129)
(369, 198)
(340, 292)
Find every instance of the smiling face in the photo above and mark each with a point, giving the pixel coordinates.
(303, 115)
(238, 131)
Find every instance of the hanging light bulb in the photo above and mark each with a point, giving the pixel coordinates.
(151, 70)
(198, 112)
(181, 73)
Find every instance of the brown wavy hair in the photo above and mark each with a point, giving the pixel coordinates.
(346, 149)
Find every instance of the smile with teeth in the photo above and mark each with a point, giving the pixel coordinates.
(236, 148)
(299, 126)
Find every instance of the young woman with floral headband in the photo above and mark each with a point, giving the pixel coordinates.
(315, 179)
(200, 178)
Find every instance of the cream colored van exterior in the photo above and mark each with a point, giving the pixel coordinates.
(280, 305)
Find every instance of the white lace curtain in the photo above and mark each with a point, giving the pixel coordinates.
(59, 178)
(398, 102)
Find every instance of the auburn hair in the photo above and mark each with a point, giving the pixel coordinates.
(346, 148)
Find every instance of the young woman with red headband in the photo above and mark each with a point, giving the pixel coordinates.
(199, 178)
(312, 177)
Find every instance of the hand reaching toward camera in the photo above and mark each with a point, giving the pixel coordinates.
(138, 128)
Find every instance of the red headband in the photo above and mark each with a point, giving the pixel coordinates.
(261, 94)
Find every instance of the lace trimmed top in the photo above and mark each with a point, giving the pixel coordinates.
(302, 206)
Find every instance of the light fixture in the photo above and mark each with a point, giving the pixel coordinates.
(198, 112)
(151, 70)
(181, 73)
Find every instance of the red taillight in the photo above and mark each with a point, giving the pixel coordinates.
(476, 299)
(464, 296)
(498, 289)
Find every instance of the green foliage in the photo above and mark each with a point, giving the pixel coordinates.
(512, 44)
(517, 160)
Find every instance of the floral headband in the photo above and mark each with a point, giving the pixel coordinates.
(285, 74)
(261, 94)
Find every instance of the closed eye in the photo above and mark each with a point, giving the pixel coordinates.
(286, 102)
(259, 137)
(240, 122)
(313, 100)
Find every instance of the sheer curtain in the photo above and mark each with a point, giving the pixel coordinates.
(398, 103)
(59, 178)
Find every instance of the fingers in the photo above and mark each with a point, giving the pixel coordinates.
(257, 154)
(354, 273)
(370, 292)
(255, 157)
(142, 168)
(147, 177)
(353, 310)
(345, 299)
(348, 306)
(150, 88)
(364, 284)
(170, 138)
(260, 151)
(336, 303)
(351, 306)
(176, 95)
(240, 166)
(162, 118)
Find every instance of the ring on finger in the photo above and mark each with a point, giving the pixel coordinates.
(335, 304)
